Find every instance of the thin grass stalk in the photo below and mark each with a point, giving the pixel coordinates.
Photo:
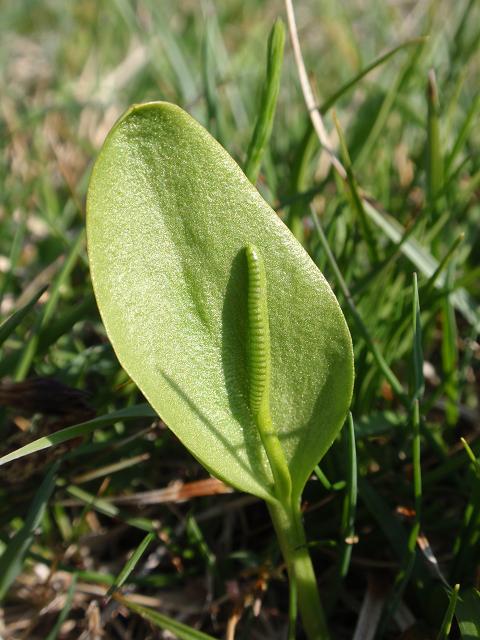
(380, 360)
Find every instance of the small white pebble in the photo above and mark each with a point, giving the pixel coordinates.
(5, 264)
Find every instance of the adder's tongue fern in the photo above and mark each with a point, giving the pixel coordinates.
(158, 288)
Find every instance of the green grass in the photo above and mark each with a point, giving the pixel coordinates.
(403, 123)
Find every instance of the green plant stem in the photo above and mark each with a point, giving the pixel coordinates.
(292, 608)
(287, 520)
(275, 454)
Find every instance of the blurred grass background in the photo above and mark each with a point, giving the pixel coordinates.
(68, 71)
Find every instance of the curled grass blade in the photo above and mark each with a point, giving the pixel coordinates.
(329, 486)
(264, 124)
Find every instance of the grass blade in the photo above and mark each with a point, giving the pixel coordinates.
(381, 362)
(449, 613)
(471, 455)
(53, 635)
(107, 470)
(401, 580)
(443, 263)
(198, 539)
(418, 255)
(303, 157)
(264, 124)
(30, 348)
(181, 631)
(59, 325)
(224, 65)
(434, 159)
(468, 614)
(10, 324)
(419, 383)
(386, 106)
(416, 460)
(11, 562)
(350, 501)
(466, 544)
(470, 118)
(170, 46)
(309, 142)
(309, 98)
(423, 260)
(450, 351)
(347, 527)
(353, 195)
(78, 430)
(336, 486)
(409, 557)
(110, 510)
(173, 50)
(328, 104)
(14, 257)
(393, 531)
(209, 77)
(131, 563)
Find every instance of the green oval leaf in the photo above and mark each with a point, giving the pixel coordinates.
(169, 216)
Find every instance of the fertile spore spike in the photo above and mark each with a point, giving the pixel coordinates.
(258, 330)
